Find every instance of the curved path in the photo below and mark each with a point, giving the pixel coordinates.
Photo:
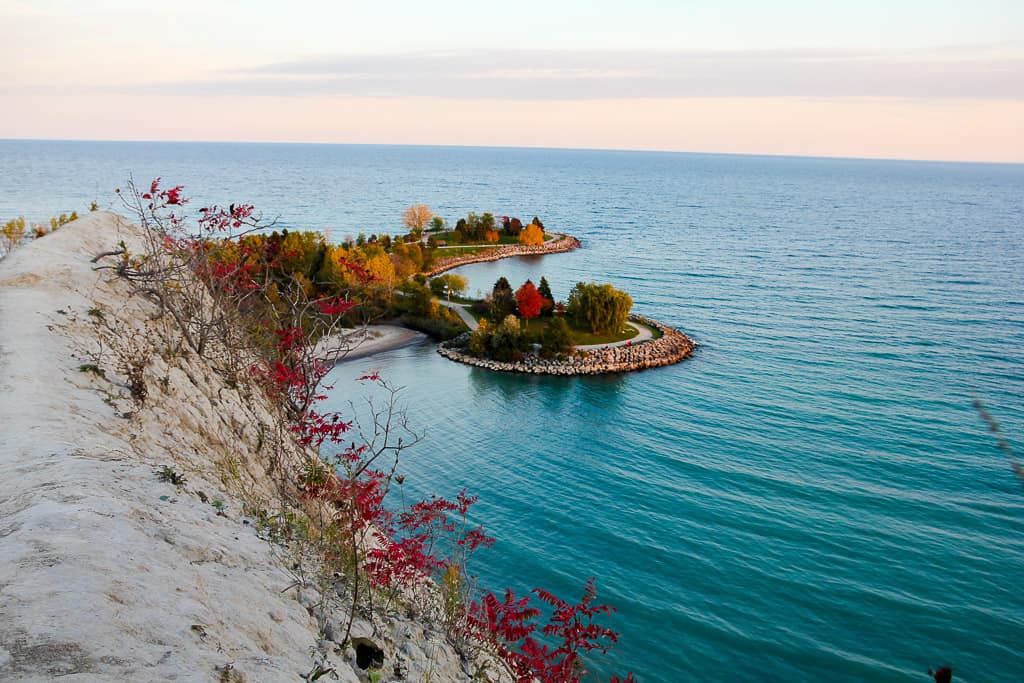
(467, 318)
(643, 333)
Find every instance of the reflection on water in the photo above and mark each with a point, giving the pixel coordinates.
(552, 393)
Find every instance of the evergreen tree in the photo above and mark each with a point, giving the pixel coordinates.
(544, 289)
(503, 299)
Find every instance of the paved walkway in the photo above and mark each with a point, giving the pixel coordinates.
(463, 313)
(643, 333)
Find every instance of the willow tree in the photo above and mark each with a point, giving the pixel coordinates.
(601, 308)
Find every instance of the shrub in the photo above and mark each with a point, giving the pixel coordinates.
(557, 338)
(505, 343)
(12, 233)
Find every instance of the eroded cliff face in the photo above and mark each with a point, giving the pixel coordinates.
(109, 572)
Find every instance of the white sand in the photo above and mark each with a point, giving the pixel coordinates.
(366, 341)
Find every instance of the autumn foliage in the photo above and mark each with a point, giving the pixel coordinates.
(256, 280)
(529, 301)
(532, 235)
(14, 231)
(417, 217)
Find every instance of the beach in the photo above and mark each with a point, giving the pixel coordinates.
(366, 341)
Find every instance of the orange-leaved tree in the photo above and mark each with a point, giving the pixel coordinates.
(532, 235)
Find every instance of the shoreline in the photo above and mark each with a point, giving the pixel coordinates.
(563, 243)
(672, 347)
(368, 341)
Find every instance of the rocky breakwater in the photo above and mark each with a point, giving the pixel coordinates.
(559, 244)
(671, 347)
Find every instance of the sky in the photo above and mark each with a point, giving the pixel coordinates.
(910, 79)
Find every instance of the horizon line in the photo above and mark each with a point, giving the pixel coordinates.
(779, 155)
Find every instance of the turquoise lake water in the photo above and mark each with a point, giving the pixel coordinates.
(811, 497)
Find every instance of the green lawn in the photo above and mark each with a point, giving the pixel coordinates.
(461, 251)
(585, 336)
(502, 240)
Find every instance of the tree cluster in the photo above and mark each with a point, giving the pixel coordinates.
(474, 228)
(508, 339)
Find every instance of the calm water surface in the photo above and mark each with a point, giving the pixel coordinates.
(811, 497)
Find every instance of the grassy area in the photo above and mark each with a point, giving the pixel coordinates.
(584, 337)
(461, 251)
(503, 240)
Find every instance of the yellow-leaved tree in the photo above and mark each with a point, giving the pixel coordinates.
(532, 235)
(12, 233)
(380, 268)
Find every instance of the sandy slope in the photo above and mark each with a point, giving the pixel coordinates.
(107, 573)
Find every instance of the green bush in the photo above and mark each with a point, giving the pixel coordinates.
(557, 338)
